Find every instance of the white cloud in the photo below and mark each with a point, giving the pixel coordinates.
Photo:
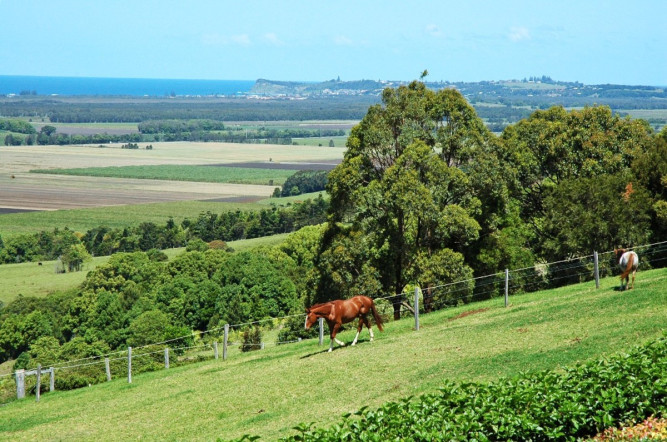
(519, 34)
(241, 39)
(433, 30)
(343, 40)
(273, 39)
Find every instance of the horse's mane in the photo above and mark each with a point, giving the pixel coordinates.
(315, 307)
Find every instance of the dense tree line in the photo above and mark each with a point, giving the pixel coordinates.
(18, 126)
(304, 181)
(207, 227)
(136, 299)
(134, 110)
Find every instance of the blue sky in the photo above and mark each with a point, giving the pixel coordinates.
(595, 42)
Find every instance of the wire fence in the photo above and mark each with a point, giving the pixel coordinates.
(199, 344)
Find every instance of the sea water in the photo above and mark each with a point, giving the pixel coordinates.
(21, 84)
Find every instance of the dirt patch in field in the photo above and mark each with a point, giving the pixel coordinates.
(468, 313)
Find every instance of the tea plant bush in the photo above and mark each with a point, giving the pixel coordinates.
(549, 405)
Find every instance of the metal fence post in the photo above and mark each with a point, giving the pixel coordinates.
(417, 308)
(166, 357)
(129, 365)
(321, 324)
(215, 349)
(224, 343)
(52, 379)
(597, 270)
(507, 286)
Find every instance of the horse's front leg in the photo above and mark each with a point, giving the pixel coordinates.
(359, 327)
(334, 330)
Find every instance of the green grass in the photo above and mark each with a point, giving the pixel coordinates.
(208, 174)
(268, 392)
(82, 220)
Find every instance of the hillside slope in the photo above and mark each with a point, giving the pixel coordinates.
(268, 392)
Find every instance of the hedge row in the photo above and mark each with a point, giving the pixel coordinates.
(565, 405)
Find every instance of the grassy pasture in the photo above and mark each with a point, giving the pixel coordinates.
(268, 392)
(210, 174)
(81, 220)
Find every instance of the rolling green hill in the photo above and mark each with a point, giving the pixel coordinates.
(268, 392)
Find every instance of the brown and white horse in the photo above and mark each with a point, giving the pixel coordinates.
(339, 312)
(628, 261)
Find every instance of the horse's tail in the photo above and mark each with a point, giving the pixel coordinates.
(376, 316)
(629, 267)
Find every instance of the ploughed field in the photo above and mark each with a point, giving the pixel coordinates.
(22, 190)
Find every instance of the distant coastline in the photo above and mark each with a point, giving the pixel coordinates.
(27, 85)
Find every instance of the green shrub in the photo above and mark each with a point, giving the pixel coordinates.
(566, 405)
(252, 339)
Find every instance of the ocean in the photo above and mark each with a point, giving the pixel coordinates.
(17, 84)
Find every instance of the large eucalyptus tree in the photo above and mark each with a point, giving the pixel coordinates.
(401, 199)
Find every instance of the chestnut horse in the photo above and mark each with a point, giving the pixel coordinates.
(339, 312)
(628, 261)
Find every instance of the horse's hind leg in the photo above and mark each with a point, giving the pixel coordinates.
(633, 279)
(370, 330)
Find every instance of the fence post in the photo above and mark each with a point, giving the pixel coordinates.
(166, 357)
(215, 349)
(20, 383)
(261, 346)
(38, 387)
(52, 379)
(597, 270)
(129, 365)
(507, 286)
(417, 308)
(321, 324)
(224, 343)
(107, 369)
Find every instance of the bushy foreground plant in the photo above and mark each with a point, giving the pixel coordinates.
(565, 405)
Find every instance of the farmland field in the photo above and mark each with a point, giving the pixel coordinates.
(20, 189)
(210, 174)
(268, 392)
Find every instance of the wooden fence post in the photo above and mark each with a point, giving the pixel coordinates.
(215, 349)
(107, 369)
(166, 357)
(129, 365)
(52, 379)
(224, 343)
(38, 387)
(597, 270)
(20, 383)
(416, 308)
(321, 323)
(507, 286)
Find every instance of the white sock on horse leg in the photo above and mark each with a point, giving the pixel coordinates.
(370, 330)
(355, 339)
